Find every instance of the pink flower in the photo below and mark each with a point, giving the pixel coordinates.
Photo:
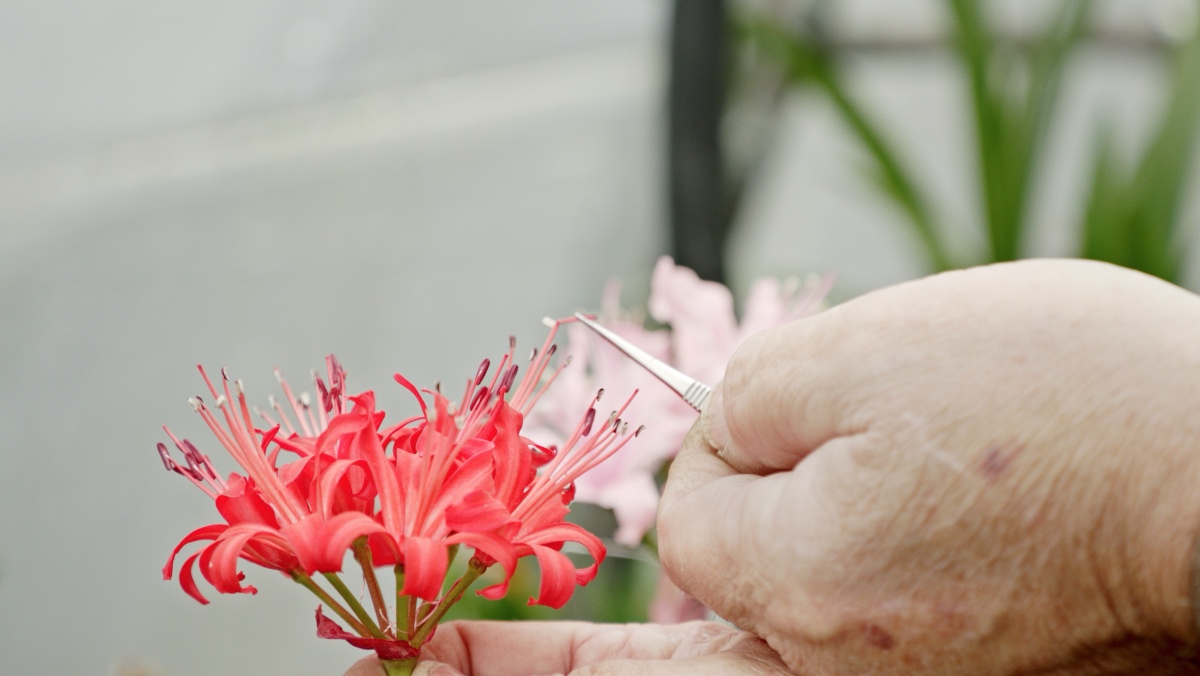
(703, 334)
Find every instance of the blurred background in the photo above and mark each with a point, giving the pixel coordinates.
(259, 183)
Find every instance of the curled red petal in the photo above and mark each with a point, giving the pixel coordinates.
(188, 582)
(404, 382)
(386, 649)
(425, 562)
(554, 536)
(490, 548)
(209, 532)
(558, 577)
(218, 561)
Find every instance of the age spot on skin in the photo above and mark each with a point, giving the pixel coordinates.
(879, 638)
(997, 459)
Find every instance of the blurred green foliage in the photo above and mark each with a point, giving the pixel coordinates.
(1132, 212)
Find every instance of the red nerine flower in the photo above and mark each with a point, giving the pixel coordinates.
(406, 496)
(297, 518)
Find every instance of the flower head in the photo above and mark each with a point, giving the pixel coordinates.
(408, 495)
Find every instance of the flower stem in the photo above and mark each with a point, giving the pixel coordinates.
(474, 570)
(362, 554)
(357, 607)
(403, 667)
(309, 584)
(401, 604)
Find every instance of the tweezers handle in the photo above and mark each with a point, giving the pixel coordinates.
(692, 391)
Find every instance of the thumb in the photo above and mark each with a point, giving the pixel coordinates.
(779, 399)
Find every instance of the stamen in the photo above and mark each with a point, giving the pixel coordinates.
(587, 422)
(326, 399)
(509, 377)
(639, 430)
(533, 354)
(166, 457)
(197, 403)
(479, 398)
(482, 372)
(221, 401)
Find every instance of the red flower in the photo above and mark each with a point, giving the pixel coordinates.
(405, 496)
(294, 519)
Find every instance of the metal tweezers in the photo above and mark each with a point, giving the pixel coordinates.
(692, 391)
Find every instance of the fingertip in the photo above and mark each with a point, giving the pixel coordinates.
(430, 668)
(714, 430)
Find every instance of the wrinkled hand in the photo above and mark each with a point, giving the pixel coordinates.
(578, 648)
(990, 471)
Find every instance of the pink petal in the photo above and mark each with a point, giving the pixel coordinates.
(218, 561)
(425, 562)
(478, 512)
(473, 475)
(490, 547)
(209, 532)
(241, 503)
(321, 545)
(558, 578)
(569, 532)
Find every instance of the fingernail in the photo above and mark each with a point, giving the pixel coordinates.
(712, 423)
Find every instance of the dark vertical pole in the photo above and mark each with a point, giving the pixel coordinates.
(699, 206)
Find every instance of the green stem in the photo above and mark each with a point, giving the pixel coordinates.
(357, 607)
(362, 554)
(403, 667)
(401, 604)
(474, 570)
(308, 583)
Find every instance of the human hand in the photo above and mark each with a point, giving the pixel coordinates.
(578, 648)
(990, 471)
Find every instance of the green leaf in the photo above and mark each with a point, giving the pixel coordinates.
(1013, 98)
(1132, 217)
(809, 64)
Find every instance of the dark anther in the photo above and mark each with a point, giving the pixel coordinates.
(326, 400)
(479, 398)
(166, 457)
(512, 343)
(587, 421)
(639, 430)
(533, 354)
(510, 376)
(482, 372)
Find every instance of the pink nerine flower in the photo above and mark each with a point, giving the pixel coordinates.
(703, 334)
(405, 496)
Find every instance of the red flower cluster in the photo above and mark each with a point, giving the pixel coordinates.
(406, 495)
